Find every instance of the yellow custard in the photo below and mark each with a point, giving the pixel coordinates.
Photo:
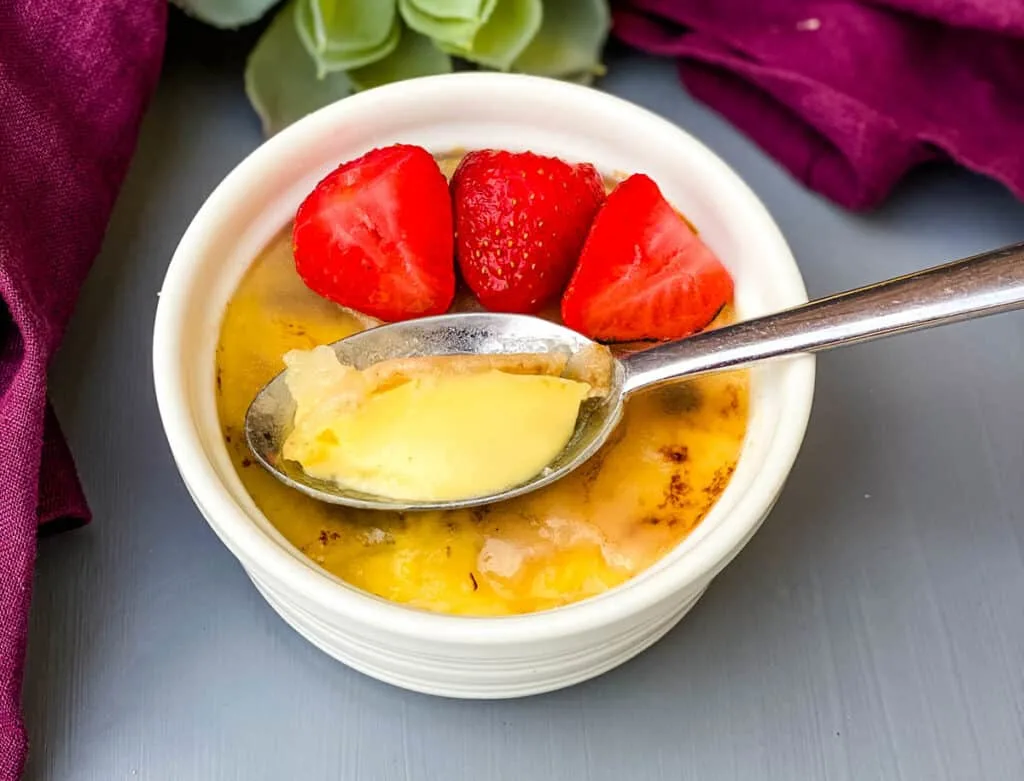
(671, 458)
(433, 436)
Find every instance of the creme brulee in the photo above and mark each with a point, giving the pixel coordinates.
(637, 499)
(444, 428)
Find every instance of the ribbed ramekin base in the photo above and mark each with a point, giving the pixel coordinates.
(457, 673)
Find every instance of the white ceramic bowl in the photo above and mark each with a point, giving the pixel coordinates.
(449, 655)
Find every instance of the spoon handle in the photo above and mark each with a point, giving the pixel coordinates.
(984, 284)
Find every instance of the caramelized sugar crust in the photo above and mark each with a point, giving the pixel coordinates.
(642, 494)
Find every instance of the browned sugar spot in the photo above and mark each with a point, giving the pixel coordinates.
(732, 401)
(678, 398)
(327, 536)
(719, 482)
(675, 492)
(676, 454)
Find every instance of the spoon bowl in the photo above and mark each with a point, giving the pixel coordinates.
(985, 284)
(269, 418)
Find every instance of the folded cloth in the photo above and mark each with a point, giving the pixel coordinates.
(74, 78)
(849, 95)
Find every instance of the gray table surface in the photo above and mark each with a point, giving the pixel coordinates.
(873, 629)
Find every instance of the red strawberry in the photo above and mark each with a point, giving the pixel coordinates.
(520, 221)
(376, 235)
(643, 273)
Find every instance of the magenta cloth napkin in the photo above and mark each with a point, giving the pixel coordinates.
(849, 95)
(74, 78)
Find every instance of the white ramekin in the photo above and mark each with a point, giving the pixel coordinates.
(449, 655)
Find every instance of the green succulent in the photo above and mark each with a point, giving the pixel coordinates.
(316, 51)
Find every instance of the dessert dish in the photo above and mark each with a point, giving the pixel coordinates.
(232, 300)
(388, 237)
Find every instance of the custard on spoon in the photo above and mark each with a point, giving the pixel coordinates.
(430, 428)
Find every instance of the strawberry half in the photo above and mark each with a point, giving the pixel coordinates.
(520, 221)
(643, 273)
(376, 235)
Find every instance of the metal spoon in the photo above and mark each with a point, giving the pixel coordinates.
(982, 285)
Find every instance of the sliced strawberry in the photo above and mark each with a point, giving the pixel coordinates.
(520, 222)
(643, 273)
(376, 235)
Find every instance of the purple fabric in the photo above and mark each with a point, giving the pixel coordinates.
(74, 78)
(850, 95)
